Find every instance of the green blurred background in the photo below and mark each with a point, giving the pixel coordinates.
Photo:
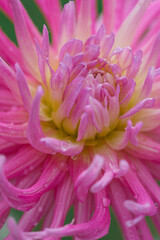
(39, 20)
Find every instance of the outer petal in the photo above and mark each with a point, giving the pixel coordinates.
(48, 7)
(97, 227)
(129, 26)
(25, 199)
(24, 39)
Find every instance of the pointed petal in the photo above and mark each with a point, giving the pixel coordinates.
(7, 75)
(24, 39)
(129, 26)
(86, 11)
(67, 148)
(146, 103)
(14, 132)
(23, 88)
(116, 191)
(97, 227)
(147, 148)
(87, 177)
(48, 7)
(67, 24)
(65, 196)
(25, 199)
(8, 50)
(119, 139)
(34, 131)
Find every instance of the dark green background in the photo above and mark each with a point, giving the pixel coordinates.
(38, 19)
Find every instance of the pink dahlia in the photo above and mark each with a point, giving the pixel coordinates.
(80, 119)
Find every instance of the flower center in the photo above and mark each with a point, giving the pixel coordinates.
(90, 93)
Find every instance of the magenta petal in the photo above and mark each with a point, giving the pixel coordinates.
(87, 177)
(146, 103)
(146, 149)
(24, 39)
(24, 161)
(147, 87)
(149, 182)
(116, 191)
(41, 62)
(86, 12)
(144, 204)
(134, 68)
(34, 131)
(154, 53)
(15, 132)
(107, 45)
(67, 23)
(67, 148)
(65, 196)
(103, 182)
(15, 230)
(43, 54)
(119, 139)
(53, 19)
(34, 215)
(45, 42)
(70, 96)
(97, 227)
(9, 54)
(129, 26)
(72, 47)
(23, 88)
(4, 212)
(16, 116)
(25, 199)
(7, 75)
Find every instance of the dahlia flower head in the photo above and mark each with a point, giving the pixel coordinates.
(80, 119)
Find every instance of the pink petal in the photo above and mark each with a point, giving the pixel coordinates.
(25, 199)
(72, 47)
(129, 26)
(15, 116)
(119, 139)
(67, 23)
(34, 131)
(24, 161)
(34, 215)
(8, 50)
(134, 68)
(146, 149)
(50, 6)
(103, 182)
(7, 75)
(23, 88)
(116, 191)
(87, 177)
(4, 212)
(144, 204)
(64, 194)
(107, 44)
(70, 96)
(24, 39)
(146, 103)
(109, 14)
(67, 148)
(15, 231)
(86, 12)
(83, 211)
(14, 132)
(97, 227)
(148, 181)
